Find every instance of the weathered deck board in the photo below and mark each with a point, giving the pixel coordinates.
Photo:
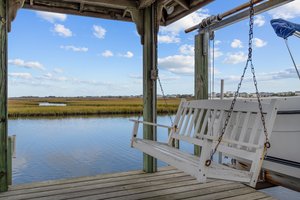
(168, 183)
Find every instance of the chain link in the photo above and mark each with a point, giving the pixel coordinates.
(249, 60)
(165, 99)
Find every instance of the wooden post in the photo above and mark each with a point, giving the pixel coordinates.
(3, 98)
(201, 70)
(9, 160)
(221, 97)
(149, 81)
(222, 89)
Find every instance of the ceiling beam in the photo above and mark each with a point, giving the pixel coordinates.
(145, 3)
(107, 3)
(73, 11)
(183, 3)
(181, 12)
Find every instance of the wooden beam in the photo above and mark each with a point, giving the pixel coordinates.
(263, 7)
(138, 17)
(145, 3)
(107, 3)
(9, 160)
(74, 10)
(182, 12)
(3, 97)
(201, 70)
(183, 3)
(149, 82)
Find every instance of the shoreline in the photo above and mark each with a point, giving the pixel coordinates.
(29, 107)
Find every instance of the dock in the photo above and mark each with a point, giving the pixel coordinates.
(167, 183)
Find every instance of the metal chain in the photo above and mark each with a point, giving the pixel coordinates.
(165, 100)
(249, 60)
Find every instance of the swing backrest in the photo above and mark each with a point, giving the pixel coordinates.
(204, 119)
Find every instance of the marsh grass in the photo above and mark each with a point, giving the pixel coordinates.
(29, 107)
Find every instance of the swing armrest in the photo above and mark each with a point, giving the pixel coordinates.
(136, 127)
(150, 123)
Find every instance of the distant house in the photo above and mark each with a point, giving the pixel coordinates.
(297, 93)
(244, 94)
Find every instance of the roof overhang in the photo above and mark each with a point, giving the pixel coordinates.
(171, 10)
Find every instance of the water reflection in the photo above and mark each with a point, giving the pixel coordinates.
(56, 148)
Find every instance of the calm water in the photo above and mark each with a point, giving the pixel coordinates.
(50, 149)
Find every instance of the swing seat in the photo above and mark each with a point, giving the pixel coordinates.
(199, 122)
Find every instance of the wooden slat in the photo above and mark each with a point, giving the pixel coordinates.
(192, 124)
(240, 106)
(187, 121)
(165, 170)
(183, 192)
(242, 135)
(225, 194)
(166, 184)
(250, 196)
(232, 134)
(125, 193)
(199, 119)
(100, 189)
(101, 183)
(204, 124)
(254, 130)
(211, 122)
(220, 123)
(183, 116)
(199, 192)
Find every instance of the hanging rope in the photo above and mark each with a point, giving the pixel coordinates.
(249, 61)
(292, 57)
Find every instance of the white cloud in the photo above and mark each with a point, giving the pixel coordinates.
(135, 76)
(288, 11)
(29, 64)
(236, 44)
(51, 17)
(279, 75)
(74, 48)
(107, 53)
(58, 70)
(20, 75)
(170, 33)
(259, 42)
(217, 42)
(178, 64)
(128, 54)
(99, 31)
(168, 39)
(61, 30)
(48, 75)
(259, 20)
(187, 49)
(235, 58)
(218, 53)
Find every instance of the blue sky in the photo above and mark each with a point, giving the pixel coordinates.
(66, 55)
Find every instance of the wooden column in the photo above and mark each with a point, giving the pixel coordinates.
(3, 98)
(149, 80)
(201, 70)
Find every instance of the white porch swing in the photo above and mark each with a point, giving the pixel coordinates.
(238, 129)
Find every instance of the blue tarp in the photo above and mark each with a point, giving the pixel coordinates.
(284, 28)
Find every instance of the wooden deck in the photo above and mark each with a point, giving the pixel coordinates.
(168, 183)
